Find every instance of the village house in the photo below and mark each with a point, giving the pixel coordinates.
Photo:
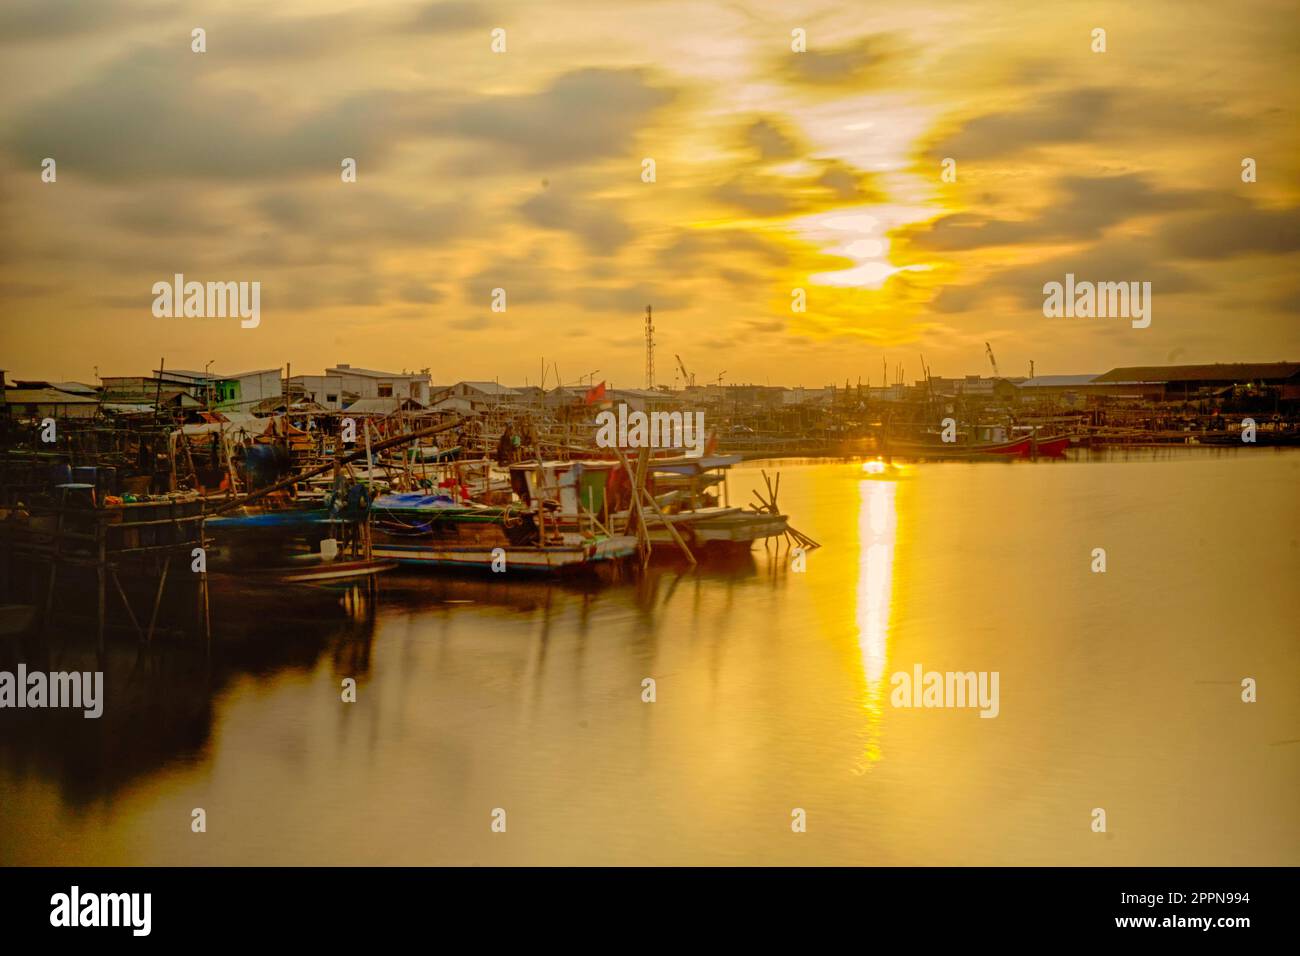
(342, 386)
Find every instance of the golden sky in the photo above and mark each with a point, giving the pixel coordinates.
(522, 170)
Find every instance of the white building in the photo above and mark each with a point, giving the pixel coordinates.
(237, 392)
(342, 386)
(481, 396)
(254, 387)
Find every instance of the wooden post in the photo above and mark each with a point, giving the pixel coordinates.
(54, 562)
(101, 575)
(189, 456)
(127, 604)
(634, 509)
(681, 543)
(203, 588)
(231, 487)
(157, 599)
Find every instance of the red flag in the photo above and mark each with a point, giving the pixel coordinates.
(595, 394)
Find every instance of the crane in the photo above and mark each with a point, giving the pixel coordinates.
(688, 380)
(992, 361)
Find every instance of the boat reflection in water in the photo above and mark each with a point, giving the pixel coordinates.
(772, 692)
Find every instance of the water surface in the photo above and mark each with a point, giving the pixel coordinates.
(1118, 691)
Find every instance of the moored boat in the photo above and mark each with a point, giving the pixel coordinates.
(1024, 446)
(690, 493)
(434, 531)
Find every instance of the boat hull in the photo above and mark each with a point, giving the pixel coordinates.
(721, 527)
(548, 559)
(1026, 447)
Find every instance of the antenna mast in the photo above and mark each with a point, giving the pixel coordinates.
(649, 349)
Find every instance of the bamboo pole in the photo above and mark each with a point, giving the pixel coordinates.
(157, 599)
(672, 531)
(203, 590)
(127, 604)
(643, 533)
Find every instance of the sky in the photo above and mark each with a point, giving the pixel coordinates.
(775, 170)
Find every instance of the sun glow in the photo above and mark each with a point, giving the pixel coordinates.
(877, 531)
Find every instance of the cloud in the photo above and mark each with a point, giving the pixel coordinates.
(1238, 229)
(860, 64)
(849, 184)
(1129, 260)
(156, 115)
(583, 116)
(694, 248)
(769, 194)
(1063, 117)
(477, 323)
(449, 16)
(1084, 208)
(418, 292)
(627, 302)
(27, 20)
(759, 196)
(595, 224)
(772, 139)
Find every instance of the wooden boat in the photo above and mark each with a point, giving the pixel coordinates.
(1021, 447)
(434, 531)
(316, 569)
(691, 494)
(716, 528)
(1054, 447)
(289, 546)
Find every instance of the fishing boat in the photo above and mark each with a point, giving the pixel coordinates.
(319, 569)
(690, 494)
(1054, 447)
(1024, 446)
(423, 530)
(291, 546)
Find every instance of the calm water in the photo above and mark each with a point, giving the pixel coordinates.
(1117, 690)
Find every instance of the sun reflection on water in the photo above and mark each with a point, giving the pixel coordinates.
(877, 531)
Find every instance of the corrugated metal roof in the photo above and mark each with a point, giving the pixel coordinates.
(45, 396)
(490, 388)
(1226, 372)
(383, 406)
(369, 372)
(1057, 381)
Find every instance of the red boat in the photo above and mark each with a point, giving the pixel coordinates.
(1024, 447)
(1053, 447)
